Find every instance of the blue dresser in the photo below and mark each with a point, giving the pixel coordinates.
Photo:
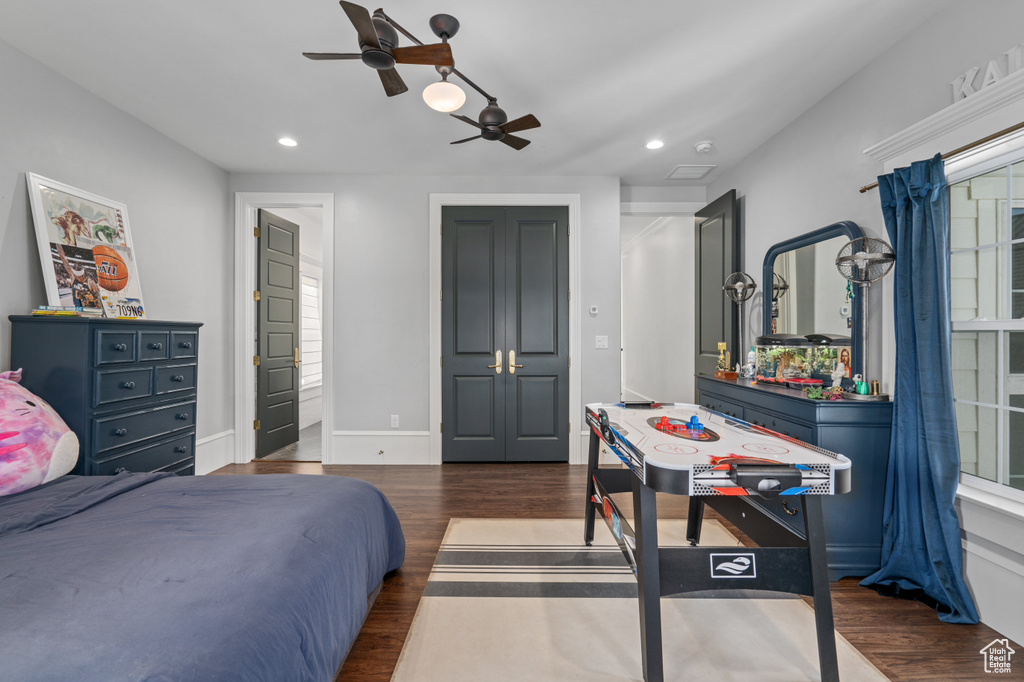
(127, 388)
(859, 430)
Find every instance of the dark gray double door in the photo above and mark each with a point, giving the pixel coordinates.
(505, 334)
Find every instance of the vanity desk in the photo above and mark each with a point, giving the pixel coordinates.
(858, 430)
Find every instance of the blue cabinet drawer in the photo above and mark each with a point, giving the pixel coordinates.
(113, 386)
(786, 427)
(124, 429)
(154, 345)
(175, 378)
(115, 346)
(170, 454)
(184, 344)
(724, 406)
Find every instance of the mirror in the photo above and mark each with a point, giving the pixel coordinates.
(815, 302)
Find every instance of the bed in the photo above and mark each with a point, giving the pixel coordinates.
(160, 577)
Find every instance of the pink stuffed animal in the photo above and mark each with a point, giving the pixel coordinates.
(36, 445)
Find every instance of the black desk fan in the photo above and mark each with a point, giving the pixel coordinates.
(739, 286)
(862, 261)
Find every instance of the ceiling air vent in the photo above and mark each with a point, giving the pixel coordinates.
(689, 172)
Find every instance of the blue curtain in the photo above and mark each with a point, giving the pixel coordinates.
(921, 552)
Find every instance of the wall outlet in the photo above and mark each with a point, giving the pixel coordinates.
(602, 342)
(394, 421)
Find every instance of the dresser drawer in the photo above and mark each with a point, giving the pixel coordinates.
(724, 406)
(113, 386)
(801, 432)
(114, 347)
(124, 429)
(184, 344)
(171, 454)
(154, 345)
(175, 378)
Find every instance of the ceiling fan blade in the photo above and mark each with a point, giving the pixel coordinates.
(521, 123)
(330, 55)
(475, 137)
(467, 120)
(439, 54)
(516, 143)
(392, 82)
(360, 18)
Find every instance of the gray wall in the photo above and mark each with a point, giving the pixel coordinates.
(807, 176)
(178, 211)
(381, 324)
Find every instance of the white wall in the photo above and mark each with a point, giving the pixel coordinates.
(178, 211)
(807, 176)
(382, 300)
(657, 311)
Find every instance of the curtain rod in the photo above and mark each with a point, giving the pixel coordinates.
(965, 148)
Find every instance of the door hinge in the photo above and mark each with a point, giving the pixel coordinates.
(570, 428)
(256, 424)
(570, 294)
(442, 427)
(442, 294)
(568, 229)
(256, 296)
(442, 362)
(570, 361)
(256, 232)
(255, 361)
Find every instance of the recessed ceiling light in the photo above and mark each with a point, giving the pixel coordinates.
(288, 142)
(655, 144)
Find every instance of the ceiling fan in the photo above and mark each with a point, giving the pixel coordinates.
(494, 125)
(378, 42)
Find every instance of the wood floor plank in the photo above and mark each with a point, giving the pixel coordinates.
(904, 639)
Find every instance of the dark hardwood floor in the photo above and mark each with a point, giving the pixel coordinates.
(904, 639)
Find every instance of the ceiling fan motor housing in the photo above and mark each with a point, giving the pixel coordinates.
(381, 59)
(494, 116)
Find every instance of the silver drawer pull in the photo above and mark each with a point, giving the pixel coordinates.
(186, 344)
(181, 415)
(121, 432)
(128, 385)
(120, 347)
(156, 346)
(181, 448)
(178, 377)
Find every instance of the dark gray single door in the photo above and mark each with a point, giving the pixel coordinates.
(718, 256)
(505, 302)
(277, 377)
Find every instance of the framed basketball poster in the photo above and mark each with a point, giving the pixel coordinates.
(85, 247)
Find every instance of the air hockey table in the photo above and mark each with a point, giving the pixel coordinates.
(718, 461)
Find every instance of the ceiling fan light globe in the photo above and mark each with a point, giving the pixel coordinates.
(444, 96)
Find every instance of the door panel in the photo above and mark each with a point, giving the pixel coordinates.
(718, 256)
(505, 274)
(277, 385)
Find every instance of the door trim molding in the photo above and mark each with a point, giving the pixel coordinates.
(246, 205)
(572, 202)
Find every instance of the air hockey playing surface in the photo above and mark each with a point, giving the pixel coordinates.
(688, 449)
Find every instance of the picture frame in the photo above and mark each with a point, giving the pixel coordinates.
(85, 249)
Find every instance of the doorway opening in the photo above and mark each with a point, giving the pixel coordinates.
(313, 217)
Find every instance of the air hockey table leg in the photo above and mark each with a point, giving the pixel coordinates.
(590, 513)
(648, 580)
(694, 520)
(815, 529)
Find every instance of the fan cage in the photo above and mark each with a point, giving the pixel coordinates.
(739, 286)
(865, 260)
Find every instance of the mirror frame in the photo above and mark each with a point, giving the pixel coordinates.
(845, 228)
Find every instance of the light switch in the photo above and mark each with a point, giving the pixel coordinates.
(602, 342)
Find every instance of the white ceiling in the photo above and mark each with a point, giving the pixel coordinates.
(226, 78)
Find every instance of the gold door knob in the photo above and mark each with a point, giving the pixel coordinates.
(497, 362)
(512, 366)
(296, 357)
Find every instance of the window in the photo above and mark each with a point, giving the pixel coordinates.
(312, 339)
(987, 291)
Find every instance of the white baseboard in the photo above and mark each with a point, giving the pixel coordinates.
(213, 452)
(381, 447)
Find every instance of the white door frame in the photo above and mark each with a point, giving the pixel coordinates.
(246, 206)
(572, 202)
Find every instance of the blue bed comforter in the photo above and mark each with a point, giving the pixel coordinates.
(161, 577)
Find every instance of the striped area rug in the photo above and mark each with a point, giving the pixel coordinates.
(515, 599)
